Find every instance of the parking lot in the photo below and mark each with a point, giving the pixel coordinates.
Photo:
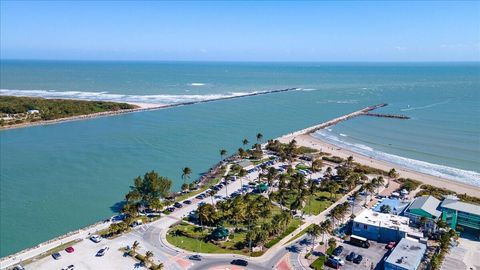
(371, 256)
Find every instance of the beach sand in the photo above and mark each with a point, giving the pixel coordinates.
(310, 141)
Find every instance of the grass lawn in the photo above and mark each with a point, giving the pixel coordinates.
(197, 245)
(318, 202)
(294, 224)
(300, 233)
(318, 264)
(51, 251)
(193, 242)
(301, 167)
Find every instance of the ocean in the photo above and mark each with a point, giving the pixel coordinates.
(58, 178)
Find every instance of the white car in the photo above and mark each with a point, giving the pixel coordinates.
(70, 267)
(96, 238)
(338, 259)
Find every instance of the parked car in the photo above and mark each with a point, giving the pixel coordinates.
(358, 259)
(338, 259)
(69, 249)
(70, 267)
(391, 245)
(187, 202)
(337, 251)
(195, 258)
(351, 256)
(200, 196)
(332, 263)
(102, 251)
(56, 256)
(239, 262)
(171, 209)
(178, 205)
(18, 267)
(96, 238)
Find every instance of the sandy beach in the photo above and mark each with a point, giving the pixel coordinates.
(307, 140)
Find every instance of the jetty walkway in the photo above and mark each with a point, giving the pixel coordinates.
(365, 111)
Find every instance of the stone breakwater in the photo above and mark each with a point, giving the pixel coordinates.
(365, 111)
(151, 107)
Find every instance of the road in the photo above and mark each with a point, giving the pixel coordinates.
(152, 237)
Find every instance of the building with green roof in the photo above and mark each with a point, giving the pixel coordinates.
(424, 208)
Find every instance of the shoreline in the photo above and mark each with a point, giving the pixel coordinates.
(306, 139)
(141, 108)
(303, 138)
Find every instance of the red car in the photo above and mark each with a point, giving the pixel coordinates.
(69, 249)
(391, 245)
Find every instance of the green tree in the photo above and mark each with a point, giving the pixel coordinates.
(149, 256)
(386, 209)
(186, 174)
(317, 165)
(393, 173)
(349, 161)
(314, 232)
(259, 137)
(245, 142)
(223, 153)
(207, 214)
(185, 187)
(135, 246)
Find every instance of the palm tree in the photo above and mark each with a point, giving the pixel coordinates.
(325, 227)
(212, 195)
(206, 214)
(311, 190)
(223, 153)
(314, 232)
(259, 137)
(245, 142)
(241, 152)
(135, 246)
(392, 173)
(349, 161)
(186, 174)
(148, 256)
(317, 165)
(380, 182)
(369, 189)
(333, 188)
(329, 172)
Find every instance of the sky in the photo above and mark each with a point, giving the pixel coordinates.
(241, 31)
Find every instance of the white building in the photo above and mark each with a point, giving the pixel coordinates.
(407, 255)
(382, 227)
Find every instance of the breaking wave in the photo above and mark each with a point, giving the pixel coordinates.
(106, 96)
(464, 176)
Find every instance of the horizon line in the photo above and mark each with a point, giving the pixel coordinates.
(240, 61)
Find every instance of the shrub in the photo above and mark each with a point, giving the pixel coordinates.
(409, 184)
(333, 159)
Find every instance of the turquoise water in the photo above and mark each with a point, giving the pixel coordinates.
(58, 178)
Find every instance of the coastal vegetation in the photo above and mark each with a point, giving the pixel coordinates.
(244, 222)
(144, 260)
(18, 110)
(440, 193)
